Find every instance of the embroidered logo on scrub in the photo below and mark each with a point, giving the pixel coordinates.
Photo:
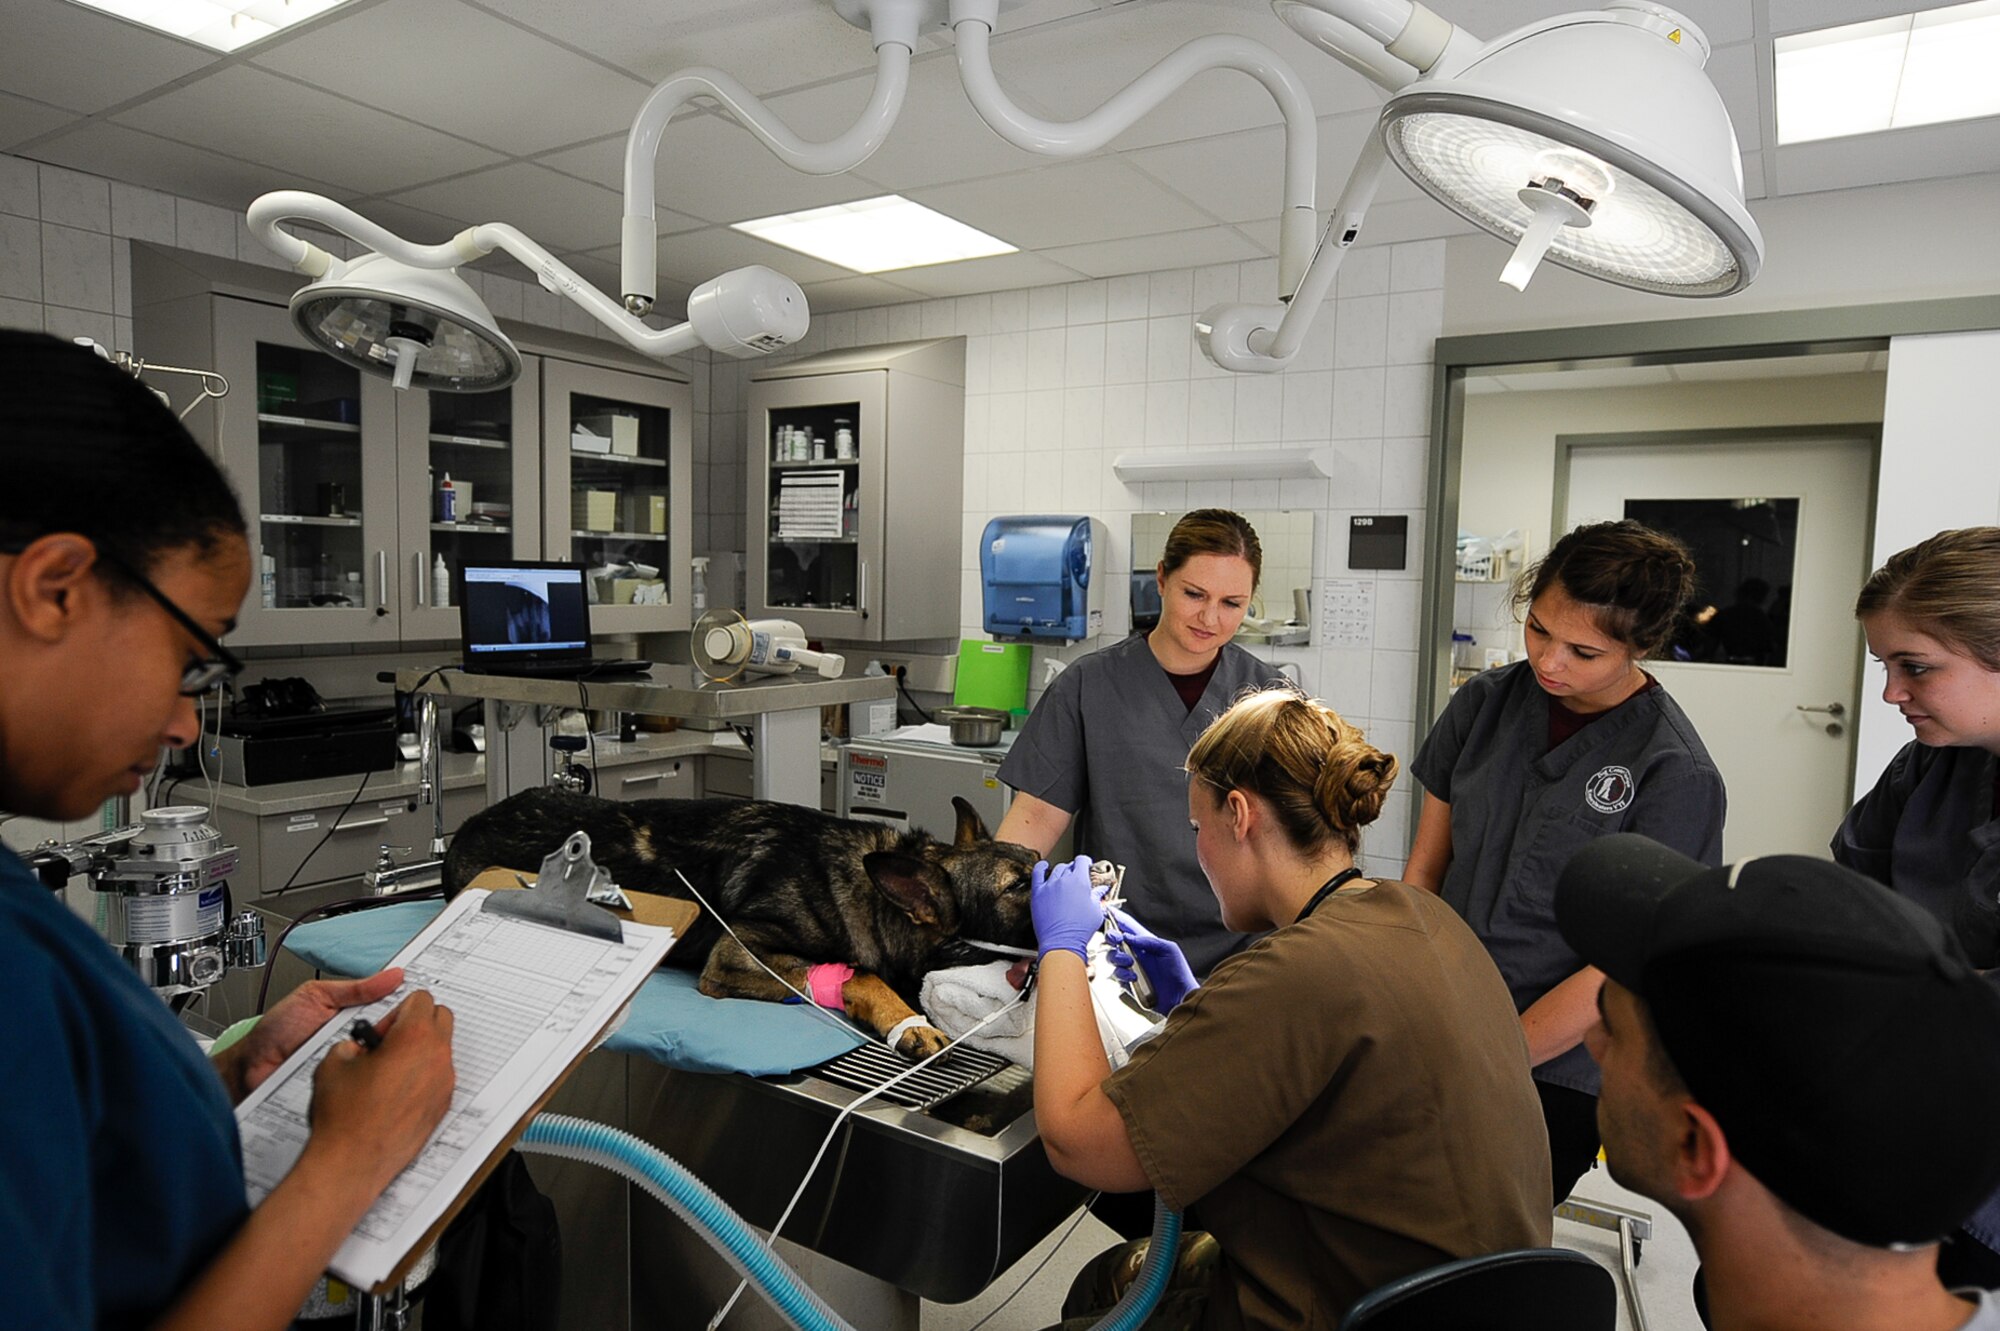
(1610, 789)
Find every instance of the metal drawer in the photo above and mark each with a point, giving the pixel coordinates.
(285, 840)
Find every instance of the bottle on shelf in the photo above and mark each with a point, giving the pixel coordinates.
(447, 500)
(267, 580)
(326, 582)
(440, 585)
(698, 594)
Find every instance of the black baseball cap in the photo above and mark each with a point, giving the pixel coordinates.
(1834, 1029)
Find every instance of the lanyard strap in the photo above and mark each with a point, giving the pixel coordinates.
(1333, 884)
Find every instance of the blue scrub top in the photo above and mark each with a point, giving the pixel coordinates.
(1108, 743)
(124, 1174)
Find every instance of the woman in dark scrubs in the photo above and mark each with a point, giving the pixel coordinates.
(1928, 828)
(1106, 743)
(1533, 760)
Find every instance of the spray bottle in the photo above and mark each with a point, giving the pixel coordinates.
(698, 595)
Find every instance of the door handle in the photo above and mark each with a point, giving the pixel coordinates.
(423, 588)
(861, 601)
(1831, 709)
(361, 823)
(381, 582)
(643, 780)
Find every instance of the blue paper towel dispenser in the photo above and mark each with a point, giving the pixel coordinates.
(1040, 577)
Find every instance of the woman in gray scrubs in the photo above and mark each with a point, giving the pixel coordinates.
(1927, 829)
(1532, 761)
(1107, 742)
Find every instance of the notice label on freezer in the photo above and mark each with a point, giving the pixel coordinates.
(867, 778)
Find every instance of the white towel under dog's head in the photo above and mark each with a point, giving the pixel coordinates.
(959, 998)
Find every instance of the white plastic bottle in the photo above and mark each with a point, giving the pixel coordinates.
(698, 594)
(268, 581)
(440, 585)
(447, 500)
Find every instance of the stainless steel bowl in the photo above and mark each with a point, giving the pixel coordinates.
(974, 727)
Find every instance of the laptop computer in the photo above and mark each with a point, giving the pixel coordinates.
(531, 617)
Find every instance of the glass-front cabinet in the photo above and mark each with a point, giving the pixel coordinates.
(617, 470)
(855, 491)
(471, 492)
(303, 438)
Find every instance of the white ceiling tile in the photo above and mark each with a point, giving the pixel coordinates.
(69, 56)
(1970, 147)
(1733, 70)
(1002, 272)
(355, 146)
(449, 65)
(22, 120)
(854, 293)
(765, 44)
(696, 256)
(419, 226)
(1100, 198)
(556, 211)
(937, 137)
(1150, 254)
(712, 170)
(1803, 15)
(118, 153)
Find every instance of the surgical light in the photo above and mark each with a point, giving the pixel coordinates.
(1593, 141)
(402, 310)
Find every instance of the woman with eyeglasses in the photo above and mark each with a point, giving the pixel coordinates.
(123, 559)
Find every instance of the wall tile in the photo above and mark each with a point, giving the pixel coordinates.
(1218, 284)
(1260, 408)
(20, 187)
(1083, 355)
(1416, 318)
(1363, 333)
(20, 313)
(76, 268)
(1396, 615)
(1364, 272)
(1171, 293)
(975, 314)
(1048, 307)
(1405, 463)
(93, 324)
(871, 326)
(1083, 418)
(1044, 420)
(1086, 302)
(1045, 357)
(71, 198)
(20, 258)
(1357, 403)
(1009, 371)
(1125, 417)
(1125, 352)
(906, 322)
(1082, 480)
(1006, 422)
(1346, 675)
(1417, 265)
(1406, 399)
(1126, 297)
(1308, 405)
(1167, 415)
(940, 317)
(1211, 412)
(204, 228)
(1394, 696)
(145, 214)
(1357, 478)
(978, 364)
(1168, 347)
(1010, 311)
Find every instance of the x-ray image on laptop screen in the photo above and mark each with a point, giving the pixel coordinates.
(515, 613)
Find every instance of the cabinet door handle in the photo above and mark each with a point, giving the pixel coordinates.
(642, 780)
(861, 601)
(381, 582)
(423, 587)
(365, 822)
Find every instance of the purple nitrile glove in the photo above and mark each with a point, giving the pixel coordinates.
(1165, 966)
(1065, 906)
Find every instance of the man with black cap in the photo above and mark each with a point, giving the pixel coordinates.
(1801, 1066)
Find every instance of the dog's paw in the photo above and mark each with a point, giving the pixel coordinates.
(920, 1042)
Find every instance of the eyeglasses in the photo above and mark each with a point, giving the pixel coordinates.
(199, 676)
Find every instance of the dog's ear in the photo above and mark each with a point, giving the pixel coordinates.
(912, 883)
(971, 827)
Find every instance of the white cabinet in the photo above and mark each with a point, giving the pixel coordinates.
(339, 475)
(855, 491)
(617, 452)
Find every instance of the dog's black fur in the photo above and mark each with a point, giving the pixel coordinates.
(798, 886)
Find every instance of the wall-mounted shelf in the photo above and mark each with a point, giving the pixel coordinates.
(1241, 464)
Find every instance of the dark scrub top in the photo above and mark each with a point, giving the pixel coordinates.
(1395, 1129)
(1927, 830)
(1519, 810)
(1108, 744)
(123, 1172)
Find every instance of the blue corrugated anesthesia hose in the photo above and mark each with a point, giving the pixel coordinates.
(696, 1203)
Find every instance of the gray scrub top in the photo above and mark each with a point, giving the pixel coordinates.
(1108, 744)
(1519, 810)
(1927, 831)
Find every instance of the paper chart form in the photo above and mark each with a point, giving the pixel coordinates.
(526, 1001)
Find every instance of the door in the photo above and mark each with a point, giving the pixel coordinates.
(1769, 667)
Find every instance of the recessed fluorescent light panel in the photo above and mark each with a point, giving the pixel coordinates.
(222, 25)
(876, 235)
(1913, 69)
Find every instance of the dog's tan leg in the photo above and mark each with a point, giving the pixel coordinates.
(874, 1004)
(731, 973)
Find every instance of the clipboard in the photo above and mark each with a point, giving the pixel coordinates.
(520, 1078)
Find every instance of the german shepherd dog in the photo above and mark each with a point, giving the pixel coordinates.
(798, 886)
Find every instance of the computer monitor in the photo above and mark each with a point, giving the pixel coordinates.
(523, 614)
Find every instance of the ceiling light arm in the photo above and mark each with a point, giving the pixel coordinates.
(894, 28)
(972, 24)
(748, 310)
(1262, 339)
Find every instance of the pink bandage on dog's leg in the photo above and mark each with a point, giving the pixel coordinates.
(824, 982)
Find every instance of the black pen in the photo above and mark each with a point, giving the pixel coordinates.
(363, 1033)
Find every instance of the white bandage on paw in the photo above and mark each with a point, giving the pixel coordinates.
(895, 1036)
